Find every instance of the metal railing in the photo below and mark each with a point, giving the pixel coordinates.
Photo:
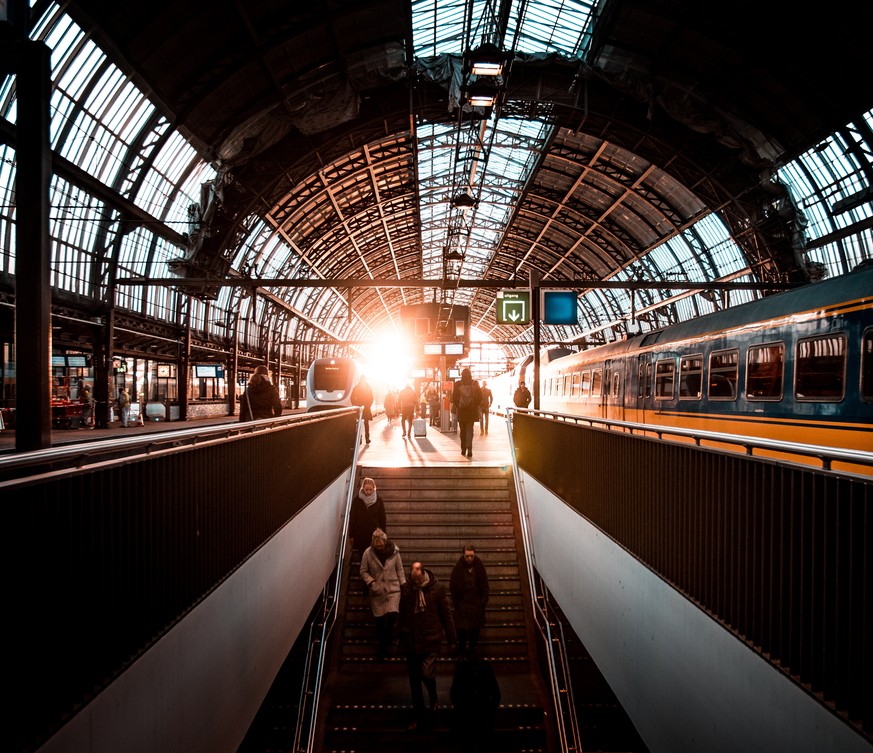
(554, 643)
(313, 673)
(775, 550)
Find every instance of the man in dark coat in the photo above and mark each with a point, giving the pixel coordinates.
(261, 399)
(469, 587)
(522, 396)
(362, 395)
(467, 397)
(425, 616)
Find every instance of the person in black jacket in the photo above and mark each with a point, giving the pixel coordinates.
(467, 397)
(425, 616)
(468, 585)
(522, 396)
(367, 514)
(261, 399)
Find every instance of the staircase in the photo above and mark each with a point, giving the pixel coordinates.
(432, 512)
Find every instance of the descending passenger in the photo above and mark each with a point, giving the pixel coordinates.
(475, 698)
(261, 399)
(382, 573)
(469, 587)
(366, 515)
(425, 616)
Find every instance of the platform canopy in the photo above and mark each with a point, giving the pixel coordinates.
(289, 175)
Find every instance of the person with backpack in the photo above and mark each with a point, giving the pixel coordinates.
(467, 397)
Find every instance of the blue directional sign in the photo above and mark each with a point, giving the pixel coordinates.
(513, 307)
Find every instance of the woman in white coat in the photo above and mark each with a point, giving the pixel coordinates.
(382, 573)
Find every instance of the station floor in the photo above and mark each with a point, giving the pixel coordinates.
(389, 448)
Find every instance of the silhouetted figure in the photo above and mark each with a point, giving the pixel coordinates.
(475, 698)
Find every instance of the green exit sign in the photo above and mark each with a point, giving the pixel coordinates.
(513, 307)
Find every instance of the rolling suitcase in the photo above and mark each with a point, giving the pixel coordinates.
(419, 427)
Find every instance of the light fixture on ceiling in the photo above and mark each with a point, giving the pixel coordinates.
(486, 60)
(463, 200)
(482, 94)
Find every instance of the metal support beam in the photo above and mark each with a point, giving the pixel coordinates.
(286, 282)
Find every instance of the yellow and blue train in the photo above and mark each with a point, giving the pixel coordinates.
(795, 366)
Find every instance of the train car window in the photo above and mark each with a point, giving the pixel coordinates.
(596, 382)
(723, 371)
(665, 375)
(616, 385)
(567, 385)
(764, 372)
(586, 383)
(867, 366)
(559, 386)
(575, 384)
(820, 368)
(690, 377)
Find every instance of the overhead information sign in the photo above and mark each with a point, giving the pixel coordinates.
(513, 307)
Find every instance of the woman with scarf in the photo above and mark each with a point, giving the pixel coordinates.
(382, 573)
(367, 514)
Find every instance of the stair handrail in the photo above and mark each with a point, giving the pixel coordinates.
(313, 671)
(559, 671)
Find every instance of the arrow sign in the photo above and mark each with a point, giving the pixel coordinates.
(513, 307)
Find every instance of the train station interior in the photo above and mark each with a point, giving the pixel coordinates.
(657, 214)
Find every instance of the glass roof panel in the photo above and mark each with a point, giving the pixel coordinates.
(829, 184)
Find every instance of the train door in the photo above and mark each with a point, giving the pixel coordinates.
(612, 403)
(644, 388)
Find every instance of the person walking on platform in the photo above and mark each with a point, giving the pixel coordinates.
(469, 588)
(485, 407)
(362, 395)
(366, 515)
(467, 397)
(261, 399)
(522, 396)
(390, 405)
(408, 402)
(87, 406)
(124, 406)
(382, 573)
(425, 617)
(433, 404)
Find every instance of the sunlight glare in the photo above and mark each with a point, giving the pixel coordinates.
(389, 359)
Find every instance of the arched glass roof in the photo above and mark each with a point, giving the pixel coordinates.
(573, 198)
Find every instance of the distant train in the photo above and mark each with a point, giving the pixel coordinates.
(797, 366)
(330, 381)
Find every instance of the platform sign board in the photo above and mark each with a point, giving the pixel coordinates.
(513, 307)
(559, 307)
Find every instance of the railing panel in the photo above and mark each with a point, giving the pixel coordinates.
(778, 553)
(103, 560)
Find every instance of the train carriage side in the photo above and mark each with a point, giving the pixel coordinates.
(796, 366)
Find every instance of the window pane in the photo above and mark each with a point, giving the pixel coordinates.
(723, 375)
(821, 368)
(664, 376)
(765, 369)
(690, 377)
